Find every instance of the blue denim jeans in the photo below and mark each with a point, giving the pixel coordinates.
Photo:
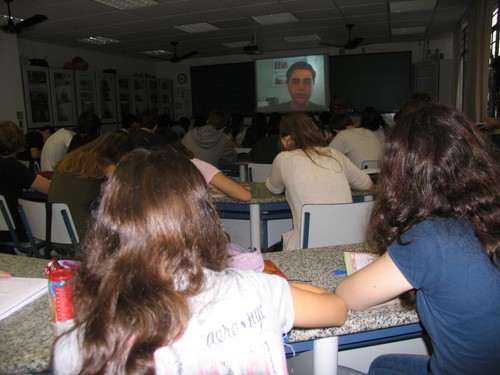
(400, 364)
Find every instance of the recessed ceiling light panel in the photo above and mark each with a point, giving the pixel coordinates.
(411, 6)
(127, 4)
(98, 40)
(237, 44)
(408, 30)
(156, 52)
(302, 38)
(197, 27)
(273, 19)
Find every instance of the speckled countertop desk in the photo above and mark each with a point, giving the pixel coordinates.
(260, 195)
(26, 337)
(317, 267)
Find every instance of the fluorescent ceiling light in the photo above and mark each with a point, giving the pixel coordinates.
(272, 19)
(98, 40)
(408, 30)
(127, 4)
(4, 19)
(156, 52)
(302, 38)
(197, 27)
(411, 6)
(237, 44)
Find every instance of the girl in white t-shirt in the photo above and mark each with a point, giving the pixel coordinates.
(153, 294)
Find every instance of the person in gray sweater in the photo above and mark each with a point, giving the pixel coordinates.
(209, 143)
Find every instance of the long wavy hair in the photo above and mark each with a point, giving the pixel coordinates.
(437, 164)
(92, 159)
(143, 259)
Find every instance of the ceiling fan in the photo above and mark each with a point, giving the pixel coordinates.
(351, 43)
(15, 28)
(176, 59)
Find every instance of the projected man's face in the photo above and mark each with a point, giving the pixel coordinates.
(300, 86)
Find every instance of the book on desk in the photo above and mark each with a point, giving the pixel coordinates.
(17, 292)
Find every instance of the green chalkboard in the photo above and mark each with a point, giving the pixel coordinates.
(381, 80)
(228, 87)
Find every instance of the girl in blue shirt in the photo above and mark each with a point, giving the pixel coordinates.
(436, 224)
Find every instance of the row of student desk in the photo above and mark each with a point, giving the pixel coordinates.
(264, 206)
(27, 337)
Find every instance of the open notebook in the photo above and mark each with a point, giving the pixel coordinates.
(16, 292)
(354, 261)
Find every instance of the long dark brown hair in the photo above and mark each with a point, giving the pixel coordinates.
(143, 259)
(437, 164)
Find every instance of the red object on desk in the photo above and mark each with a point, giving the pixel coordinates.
(271, 268)
(46, 174)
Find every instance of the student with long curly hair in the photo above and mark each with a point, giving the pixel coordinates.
(310, 172)
(436, 222)
(153, 294)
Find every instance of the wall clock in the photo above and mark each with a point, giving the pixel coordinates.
(181, 78)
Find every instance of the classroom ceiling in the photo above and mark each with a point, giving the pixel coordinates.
(153, 27)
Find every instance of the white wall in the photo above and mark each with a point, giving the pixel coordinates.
(56, 57)
(11, 84)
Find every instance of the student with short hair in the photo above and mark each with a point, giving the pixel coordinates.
(209, 142)
(364, 142)
(15, 176)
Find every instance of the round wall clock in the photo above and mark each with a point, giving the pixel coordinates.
(182, 78)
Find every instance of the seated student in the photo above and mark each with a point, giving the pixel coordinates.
(164, 129)
(365, 142)
(130, 122)
(55, 148)
(154, 294)
(209, 143)
(436, 223)
(265, 149)
(78, 176)
(182, 126)
(87, 129)
(15, 176)
(256, 131)
(34, 141)
(310, 172)
(145, 136)
(214, 178)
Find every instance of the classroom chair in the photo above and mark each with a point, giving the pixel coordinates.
(50, 222)
(258, 172)
(370, 164)
(334, 224)
(8, 224)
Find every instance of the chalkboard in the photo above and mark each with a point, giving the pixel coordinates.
(381, 80)
(228, 87)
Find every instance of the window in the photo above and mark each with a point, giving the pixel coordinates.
(494, 79)
(462, 67)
